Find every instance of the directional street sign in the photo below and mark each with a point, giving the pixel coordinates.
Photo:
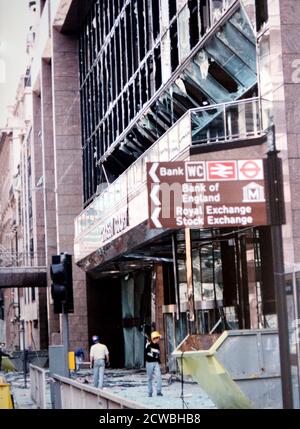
(210, 194)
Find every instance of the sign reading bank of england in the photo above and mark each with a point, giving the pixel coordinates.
(210, 194)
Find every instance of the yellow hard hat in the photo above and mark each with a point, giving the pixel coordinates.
(155, 334)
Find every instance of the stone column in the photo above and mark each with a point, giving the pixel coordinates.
(68, 167)
(290, 57)
(276, 86)
(37, 182)
(38, 213)
(48, 187)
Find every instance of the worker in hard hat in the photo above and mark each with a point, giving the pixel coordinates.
(99, 355)
(153, 363)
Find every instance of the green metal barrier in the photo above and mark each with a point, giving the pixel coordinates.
(207, 370)
(7, 364)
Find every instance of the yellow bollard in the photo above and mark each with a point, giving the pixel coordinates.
(5, 395)
(71, 361)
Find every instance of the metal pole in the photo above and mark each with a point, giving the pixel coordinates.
(189, 281)
(65, 332)
(283, 330)
(277, 219)
(175, 270)
(24, 352)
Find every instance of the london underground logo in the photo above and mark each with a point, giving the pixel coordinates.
(250, 169)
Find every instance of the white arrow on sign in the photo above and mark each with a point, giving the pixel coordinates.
(155, 217)
(152, 173)
(154, 195)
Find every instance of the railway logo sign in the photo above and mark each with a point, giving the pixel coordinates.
(221, 170)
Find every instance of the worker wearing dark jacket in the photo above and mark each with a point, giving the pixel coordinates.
(152, 363)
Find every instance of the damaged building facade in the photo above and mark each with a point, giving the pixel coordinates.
(118, 84)
(178, 56)
(176, 81)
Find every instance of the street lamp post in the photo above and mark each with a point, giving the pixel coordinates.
(22, 322)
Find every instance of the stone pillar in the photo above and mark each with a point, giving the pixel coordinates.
(281, 46)
(48, 187)
(278, 49)
(290, 57)
(68, 167)
(37, 188)
(38, 213)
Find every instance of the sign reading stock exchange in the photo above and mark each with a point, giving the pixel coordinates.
(210, 194)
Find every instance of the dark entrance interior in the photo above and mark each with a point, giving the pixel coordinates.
(233, 288)
(233, 284)
(105, 316)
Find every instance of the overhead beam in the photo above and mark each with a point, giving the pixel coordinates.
(20, 277)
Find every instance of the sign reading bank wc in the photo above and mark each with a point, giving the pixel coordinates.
(209, 194)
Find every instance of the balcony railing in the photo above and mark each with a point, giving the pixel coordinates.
(228, 121)
(220, 123)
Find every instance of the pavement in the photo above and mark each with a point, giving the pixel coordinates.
(129, 384)
(132, 384)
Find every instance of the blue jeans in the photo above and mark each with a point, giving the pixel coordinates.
(99, 366)
(153, 367)
(78, 360)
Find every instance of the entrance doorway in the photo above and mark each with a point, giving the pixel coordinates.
(232, 285)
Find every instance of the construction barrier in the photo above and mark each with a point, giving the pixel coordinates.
(237, 369)
(7, 364)
(205, 368)
(6, 401)
(38, 386)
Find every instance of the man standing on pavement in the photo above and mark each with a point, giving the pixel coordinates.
(98, 356)
(153, 363)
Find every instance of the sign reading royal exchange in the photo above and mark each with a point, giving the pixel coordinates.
(209, 194)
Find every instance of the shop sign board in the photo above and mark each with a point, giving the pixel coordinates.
(113, 226)
(206, 194)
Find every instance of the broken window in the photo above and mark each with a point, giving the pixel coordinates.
(262, 13)
(194, 22)
(124, 58)
(155, 19)
(135, 36)
(120, 53)
(220, 75)
(157, 60)
(172, 8)
(129, 42)
(174, 46)
(141, 28)
(148, 25)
